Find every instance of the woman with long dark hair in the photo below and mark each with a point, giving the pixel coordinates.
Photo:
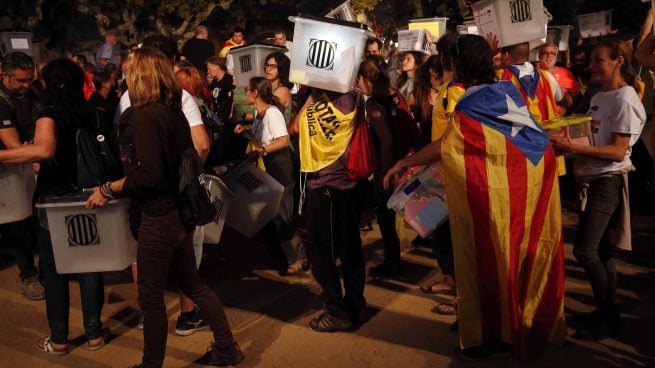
(65, 110)
(409, 63)
(394, 135)
(488, 151)
(160, 135)
(276, 69)
(272, 141)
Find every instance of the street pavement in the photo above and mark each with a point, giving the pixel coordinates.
(269, 316)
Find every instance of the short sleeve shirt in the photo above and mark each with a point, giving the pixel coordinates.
(617, 111)
(189, 108)
(270, 127)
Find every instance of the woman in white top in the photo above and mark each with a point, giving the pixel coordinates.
(618, 118)
(269, 130)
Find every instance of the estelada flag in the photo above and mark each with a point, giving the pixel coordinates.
(505, 218)
(324, 133)
(536, 90)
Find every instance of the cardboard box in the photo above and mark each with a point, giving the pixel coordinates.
(436, 26)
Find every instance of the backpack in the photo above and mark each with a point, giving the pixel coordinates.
(97, 160)
(194, 205)
(361, 159)
(406, 134)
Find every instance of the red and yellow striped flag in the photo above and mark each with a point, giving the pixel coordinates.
(505, 217)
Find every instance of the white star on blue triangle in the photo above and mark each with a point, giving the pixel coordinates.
(501, 107)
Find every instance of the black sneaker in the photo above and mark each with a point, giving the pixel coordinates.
(223, 358)
(329, 323)
(186, 326)
(386, 270)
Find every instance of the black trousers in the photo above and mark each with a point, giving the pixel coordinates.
(164, 245)
(333, 232)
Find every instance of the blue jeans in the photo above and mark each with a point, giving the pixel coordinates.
(57, 298)
(592, 248)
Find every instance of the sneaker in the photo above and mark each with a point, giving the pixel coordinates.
(223, 358)
(32, 289)
(329, 323)
(186, 326)
(386, 270)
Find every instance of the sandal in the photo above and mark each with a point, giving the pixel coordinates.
(297, 266)
(98, 345)
(47, 346)
(446, 308)
(446, 286)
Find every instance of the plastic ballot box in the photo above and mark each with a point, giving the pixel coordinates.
(85, 240)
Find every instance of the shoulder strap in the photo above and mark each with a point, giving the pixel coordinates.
(7, 99)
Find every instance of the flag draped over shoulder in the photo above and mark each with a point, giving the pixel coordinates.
(535, 89)
(503, 201)
(324, 134)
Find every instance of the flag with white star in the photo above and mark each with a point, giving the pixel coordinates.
(501, 107)
(500, 175)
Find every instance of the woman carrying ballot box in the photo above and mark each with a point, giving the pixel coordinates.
(54, 147)
(618, 119)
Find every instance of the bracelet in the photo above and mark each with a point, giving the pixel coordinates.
(105, 190)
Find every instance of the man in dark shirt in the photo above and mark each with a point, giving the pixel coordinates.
(18, 104)
(220, 87)
(198, 49)
(100, 98)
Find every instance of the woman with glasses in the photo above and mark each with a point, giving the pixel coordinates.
(269, 131)
(276, 68)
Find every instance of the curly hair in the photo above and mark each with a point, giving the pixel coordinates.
(283, 67)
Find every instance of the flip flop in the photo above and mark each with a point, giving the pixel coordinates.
(440, 309)
(443, 287)
(45, 345)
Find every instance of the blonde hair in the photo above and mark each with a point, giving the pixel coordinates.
(151, 80)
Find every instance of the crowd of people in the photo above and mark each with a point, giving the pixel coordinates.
(479, 110)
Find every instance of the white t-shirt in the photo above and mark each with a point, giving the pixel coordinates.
(189, 108)
(272, 126)
(617, 111)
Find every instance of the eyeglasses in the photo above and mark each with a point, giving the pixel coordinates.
(246, 89)
(270, 66)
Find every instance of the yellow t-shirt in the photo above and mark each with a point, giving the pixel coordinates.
(447, 98)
